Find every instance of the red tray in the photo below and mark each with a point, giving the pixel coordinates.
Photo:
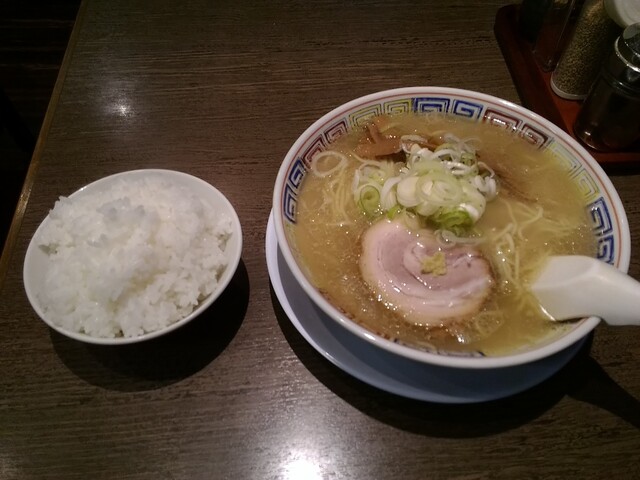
(533, 84)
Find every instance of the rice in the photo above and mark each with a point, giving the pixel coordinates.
(132, 258)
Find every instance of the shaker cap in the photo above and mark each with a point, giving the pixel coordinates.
(623, 12)
(628, 46)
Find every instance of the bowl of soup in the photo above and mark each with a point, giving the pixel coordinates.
(417, 218)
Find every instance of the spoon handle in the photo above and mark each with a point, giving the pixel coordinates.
(576, 286)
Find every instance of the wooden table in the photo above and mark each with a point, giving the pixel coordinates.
(221, 90)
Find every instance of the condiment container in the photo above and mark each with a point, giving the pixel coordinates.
(609, 119)
(582, 58)
(554, 31)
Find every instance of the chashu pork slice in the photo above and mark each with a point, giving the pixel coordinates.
(392, 264)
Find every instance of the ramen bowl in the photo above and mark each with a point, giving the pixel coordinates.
(606, 214)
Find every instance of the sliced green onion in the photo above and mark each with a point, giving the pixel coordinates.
(446, 145)
(447, 187)
(369, 200)
(394, 211)
(468, 158)
(407, 193)
(456, 220)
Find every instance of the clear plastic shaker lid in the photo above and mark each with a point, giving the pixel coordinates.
(629, 46)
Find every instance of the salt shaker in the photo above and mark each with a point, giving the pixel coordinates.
(609, 119)
(578, 66)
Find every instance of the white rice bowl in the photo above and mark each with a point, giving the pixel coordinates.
(132, 255)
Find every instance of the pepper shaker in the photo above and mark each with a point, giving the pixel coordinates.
(582, 58)
(609, 119)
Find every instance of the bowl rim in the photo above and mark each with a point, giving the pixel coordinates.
(548, 348)
(235, 254)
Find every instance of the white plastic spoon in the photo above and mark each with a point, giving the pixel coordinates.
(575, 286)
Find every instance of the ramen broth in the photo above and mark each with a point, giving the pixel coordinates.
(529, 181)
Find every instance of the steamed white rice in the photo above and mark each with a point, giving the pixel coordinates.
(131, 259)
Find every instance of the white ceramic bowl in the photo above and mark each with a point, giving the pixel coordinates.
(606, 211)
(37, 262)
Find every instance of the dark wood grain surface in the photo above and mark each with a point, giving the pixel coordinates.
(221, 90)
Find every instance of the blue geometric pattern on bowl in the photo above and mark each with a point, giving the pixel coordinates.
(494, 113)
(603, 228)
